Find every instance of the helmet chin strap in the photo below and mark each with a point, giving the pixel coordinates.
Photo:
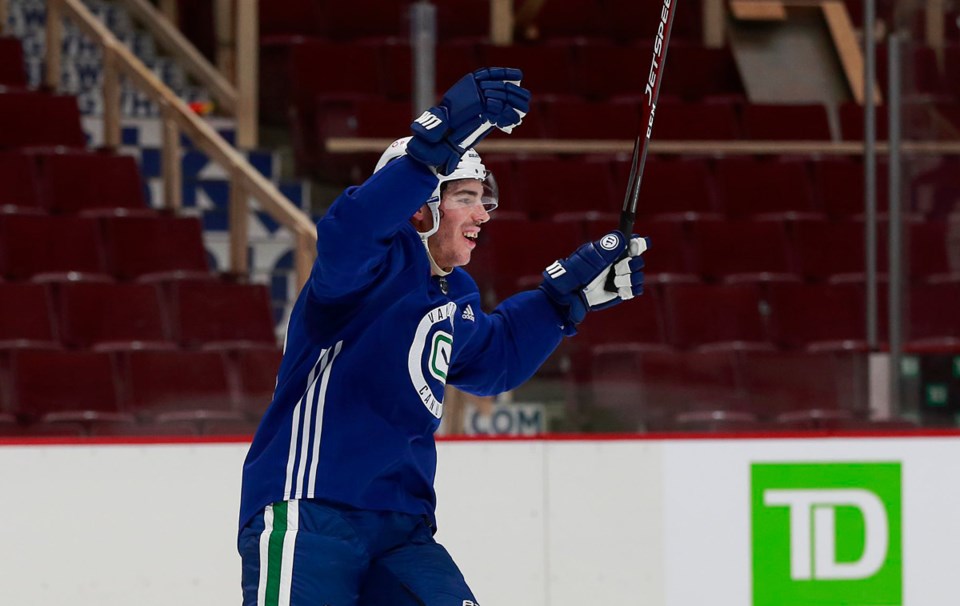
(435, 269)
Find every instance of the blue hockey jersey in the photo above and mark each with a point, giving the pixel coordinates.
(372, 339)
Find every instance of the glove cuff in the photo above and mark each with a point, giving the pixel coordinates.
(570, 308)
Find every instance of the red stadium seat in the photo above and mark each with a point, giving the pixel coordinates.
(835, 250)
(519, 250)
(672, 189)
(453, 61)
(630, 20)
(34, 119)
(744, 251)
(933, 324)
(952, 68)
(639, 321)
(819, 317)
(724, 316)
(696, 122)
(779, 382)
(463, 20)
(929, 251)
(695, 72)
(155, 248)
(360, 75)
(853, 122)
(920, 74)
(568, 19)
(176, 385)
(645, 388)
(26, 316)
(578, 119)
(19, 186)
(670, 257)
(364, 19)
(217, 314)
(109, 316)
(546, 67)
(65, 386)
(765, 188)
(290, 17)
(549, 188)
(91, 183)
(12, 70)
(46, 247)
(840, 185)
(598, 73)
(257, 370)
(362, 118)
(776, 122)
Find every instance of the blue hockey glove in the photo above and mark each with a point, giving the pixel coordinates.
(478, 102)
(576, 284)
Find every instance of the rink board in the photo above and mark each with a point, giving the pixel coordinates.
(561, 522)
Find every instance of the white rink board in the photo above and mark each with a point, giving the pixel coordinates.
(708, 519)
(531, 522)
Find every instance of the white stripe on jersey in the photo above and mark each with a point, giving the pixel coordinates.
(265, 554)
(289, 544)
(318, 425)
(295, 429)
(305, 430)
(556, 270)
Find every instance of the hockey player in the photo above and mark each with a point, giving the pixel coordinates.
(337, 506)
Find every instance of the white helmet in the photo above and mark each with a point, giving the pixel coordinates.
(470, 167)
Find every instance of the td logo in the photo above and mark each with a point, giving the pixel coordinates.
(827, 534)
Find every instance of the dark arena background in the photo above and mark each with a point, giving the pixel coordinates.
(774, 422)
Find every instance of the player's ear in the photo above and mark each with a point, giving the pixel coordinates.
(421, 218)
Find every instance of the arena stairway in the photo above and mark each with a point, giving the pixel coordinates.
(205, 189)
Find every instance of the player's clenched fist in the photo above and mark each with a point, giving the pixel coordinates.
(576, 284)
(479, 102)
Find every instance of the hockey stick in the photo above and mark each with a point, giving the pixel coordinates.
(641, 145)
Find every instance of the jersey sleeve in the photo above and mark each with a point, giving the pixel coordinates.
(355, 235)
(506, 347)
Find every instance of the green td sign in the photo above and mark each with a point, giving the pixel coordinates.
(827, 534)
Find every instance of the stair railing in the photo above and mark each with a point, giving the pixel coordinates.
(177, 118)
(236, 92)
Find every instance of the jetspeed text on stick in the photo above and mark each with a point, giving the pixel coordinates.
(656, 63)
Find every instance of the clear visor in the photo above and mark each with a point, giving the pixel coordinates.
(490, 198)
(491, 192)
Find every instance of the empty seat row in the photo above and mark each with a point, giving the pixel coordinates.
(718, 251)
(786, 316)
(43, 247)
(71, 182)
(649, 388)
(469, 19)
(112, 316)
(736, 187)
(290, 91)
(95, 388)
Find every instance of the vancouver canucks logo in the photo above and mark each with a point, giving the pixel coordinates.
(440, 352)
(428, 361)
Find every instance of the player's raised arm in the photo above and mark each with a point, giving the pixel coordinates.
(356, 233)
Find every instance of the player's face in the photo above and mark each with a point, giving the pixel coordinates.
(462, 214)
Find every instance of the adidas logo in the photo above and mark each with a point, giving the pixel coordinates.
(468, 314)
